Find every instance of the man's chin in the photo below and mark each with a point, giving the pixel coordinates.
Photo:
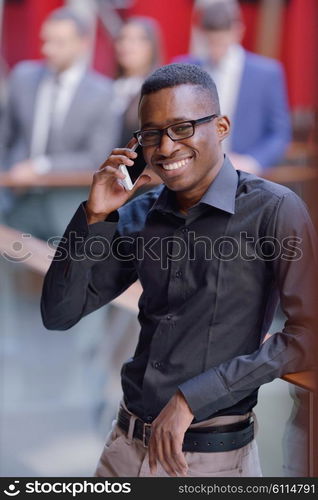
(179, 185)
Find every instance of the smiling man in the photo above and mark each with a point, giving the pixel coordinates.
(213, 248)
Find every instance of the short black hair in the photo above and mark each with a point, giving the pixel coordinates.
(82, 26)
(176, 74)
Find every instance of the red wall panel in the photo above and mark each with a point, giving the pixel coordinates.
(22, 21)
(174, 17)
(299, 52)
(21, 25)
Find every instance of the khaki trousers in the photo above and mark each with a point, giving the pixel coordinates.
(124, 456)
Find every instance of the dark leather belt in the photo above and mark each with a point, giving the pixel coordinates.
(202, 439)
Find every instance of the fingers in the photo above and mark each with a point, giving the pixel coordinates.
(167, 449)
(132, 142)
(107, 171)
(178, 456)
(173, 456)
(116, 160)
(166, 458)
(123, 151)
(167, 434)
(120, 156)
(163, 454)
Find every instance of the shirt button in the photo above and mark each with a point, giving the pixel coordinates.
(185, 229)
(149, 418)
(178, 274)
(169, 317)
(157, 365)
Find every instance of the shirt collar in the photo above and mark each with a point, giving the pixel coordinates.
(222, 191)
(234, 57)
(220, 194)
(71, 76)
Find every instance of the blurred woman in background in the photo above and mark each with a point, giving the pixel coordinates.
(138, 53)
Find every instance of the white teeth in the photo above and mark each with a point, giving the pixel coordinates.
(177, 164)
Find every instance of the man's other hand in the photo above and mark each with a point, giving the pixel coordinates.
(167, 433)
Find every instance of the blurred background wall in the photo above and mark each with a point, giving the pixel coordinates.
(294, 41)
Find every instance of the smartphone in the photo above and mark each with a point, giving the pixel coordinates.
(132, 173)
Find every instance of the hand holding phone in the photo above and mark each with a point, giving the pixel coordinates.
(107, 192)
(133, 173)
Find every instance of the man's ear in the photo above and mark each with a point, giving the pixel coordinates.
(223, 127)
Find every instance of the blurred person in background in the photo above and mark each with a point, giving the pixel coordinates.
(58, 119)
(137, 53)
(251, 88)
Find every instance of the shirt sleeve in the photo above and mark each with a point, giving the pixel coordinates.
(294, 268)
(91, 266)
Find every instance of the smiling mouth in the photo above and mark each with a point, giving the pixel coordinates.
(175, 165)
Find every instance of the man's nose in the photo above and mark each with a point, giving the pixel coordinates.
(166, 145)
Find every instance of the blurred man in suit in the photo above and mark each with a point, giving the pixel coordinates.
(251, 88)
(58, 119)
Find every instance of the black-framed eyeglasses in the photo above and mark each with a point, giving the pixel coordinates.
(176, 132)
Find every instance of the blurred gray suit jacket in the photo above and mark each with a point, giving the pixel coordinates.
(87, 135)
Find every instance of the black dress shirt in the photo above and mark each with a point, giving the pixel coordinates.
(211, 283)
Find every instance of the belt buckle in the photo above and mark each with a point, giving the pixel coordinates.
(144, 435)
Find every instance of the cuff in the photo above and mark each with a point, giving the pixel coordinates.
(206, 394)
(79, 224)
(82, 239)
(104, 227)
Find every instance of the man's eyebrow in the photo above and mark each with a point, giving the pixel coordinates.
(166, 123)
